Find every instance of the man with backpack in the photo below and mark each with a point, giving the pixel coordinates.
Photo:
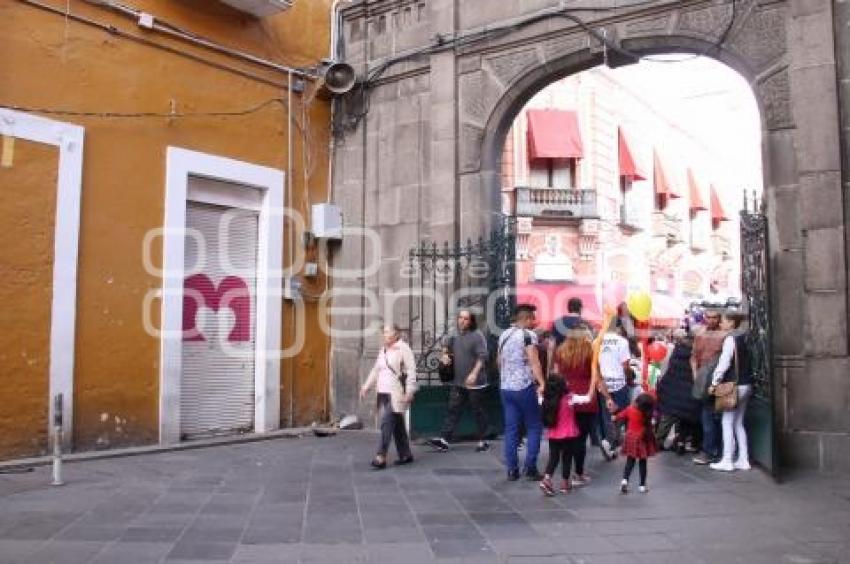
(466, 353)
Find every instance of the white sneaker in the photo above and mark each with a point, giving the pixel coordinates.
(624, 487)
(742, 465)
(643, 489)
(607, 451)
(723, 466)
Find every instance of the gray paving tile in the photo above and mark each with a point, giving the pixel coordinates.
(267, 554)
(89, 533)
(132, 553)
(207, 551)
(65, 552)
(463, 549)
(271, 535)
(17, 550)
(151, 534)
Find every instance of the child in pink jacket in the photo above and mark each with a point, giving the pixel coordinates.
(562, 431)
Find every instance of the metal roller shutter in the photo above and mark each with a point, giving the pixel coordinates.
(217, 384)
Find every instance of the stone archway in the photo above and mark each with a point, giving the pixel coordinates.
(433, 127)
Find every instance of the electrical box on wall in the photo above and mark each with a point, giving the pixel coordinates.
(291, 288)
(327, 222)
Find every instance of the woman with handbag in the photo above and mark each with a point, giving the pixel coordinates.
(394, 375)
(731, 387)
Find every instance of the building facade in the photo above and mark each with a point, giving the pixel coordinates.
(610, 195)
(148, 152)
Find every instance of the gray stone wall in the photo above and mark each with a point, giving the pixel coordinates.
(423, 162)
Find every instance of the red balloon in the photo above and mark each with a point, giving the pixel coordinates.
(656, 352)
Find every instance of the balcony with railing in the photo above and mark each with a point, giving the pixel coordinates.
(699, 240)
(666, 227)
(556, 203)
(721, 245)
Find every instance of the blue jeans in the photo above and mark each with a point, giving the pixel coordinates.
(710, 429)
(622, 398)
(521, 406)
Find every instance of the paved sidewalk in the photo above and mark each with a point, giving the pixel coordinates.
(317, 500)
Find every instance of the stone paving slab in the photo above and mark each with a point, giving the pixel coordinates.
(317, 500)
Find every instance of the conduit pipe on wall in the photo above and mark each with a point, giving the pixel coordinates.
(112, 30)
(289, 205)
(334, 54)
(173, 31)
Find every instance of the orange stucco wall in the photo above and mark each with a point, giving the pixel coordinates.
(26, 281)
(51, 63)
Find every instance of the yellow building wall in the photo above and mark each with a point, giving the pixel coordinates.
(27, 208)
(51, 62)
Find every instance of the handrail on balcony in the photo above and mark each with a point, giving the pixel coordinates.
(550, 201)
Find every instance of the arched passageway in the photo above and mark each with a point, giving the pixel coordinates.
(418, 157)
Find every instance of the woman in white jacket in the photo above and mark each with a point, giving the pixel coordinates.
(394, 376)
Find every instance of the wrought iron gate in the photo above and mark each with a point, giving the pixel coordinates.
(443, 278)
(755, 286)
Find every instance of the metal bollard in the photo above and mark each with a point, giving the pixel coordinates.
(57, 441)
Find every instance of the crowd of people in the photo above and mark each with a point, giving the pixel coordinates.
(574, 386)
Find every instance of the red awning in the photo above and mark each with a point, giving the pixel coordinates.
(662, 186)
(628, 167)
(718, 214)
(697, 202)
(551, 301)
(553, 134)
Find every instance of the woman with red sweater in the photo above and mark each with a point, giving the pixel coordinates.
(574, 362)
(639, 443)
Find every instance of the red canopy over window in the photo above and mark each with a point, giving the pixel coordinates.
(663, 188)
(628, 167)
(553, 134)
(697, 202)
(718, 214)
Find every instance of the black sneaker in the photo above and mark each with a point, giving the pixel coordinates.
(531, 474)
(483, 446)
(703, 459)
(513, 475)
(439, 443)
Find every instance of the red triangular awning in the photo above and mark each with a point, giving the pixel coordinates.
(664, 189)
(718, 214)
(628, 167)
(553, 134)
(697, 202)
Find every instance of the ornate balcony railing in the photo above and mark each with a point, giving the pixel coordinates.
(667, 227)
(721, 245)
(555, 202)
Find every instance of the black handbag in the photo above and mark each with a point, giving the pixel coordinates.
(446, 372)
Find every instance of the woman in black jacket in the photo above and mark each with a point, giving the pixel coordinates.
(675, 400)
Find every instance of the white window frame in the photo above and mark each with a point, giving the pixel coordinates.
(180, 165)
(68, 138)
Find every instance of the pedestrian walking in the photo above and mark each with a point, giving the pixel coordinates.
(466, 351)
(614, 363)
(734, 367)
(574, 362)
(708, 342)
(394, 376)
(520, 383)
(639, 443)
(562, 431)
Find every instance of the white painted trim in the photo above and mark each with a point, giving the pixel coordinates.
(180, 165)
(63, 312)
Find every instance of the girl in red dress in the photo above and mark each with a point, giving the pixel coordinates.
(639, 443)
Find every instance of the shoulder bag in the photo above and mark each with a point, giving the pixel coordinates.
(446, 372)
(726, 393)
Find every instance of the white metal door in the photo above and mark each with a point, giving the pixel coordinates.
(217, 383)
